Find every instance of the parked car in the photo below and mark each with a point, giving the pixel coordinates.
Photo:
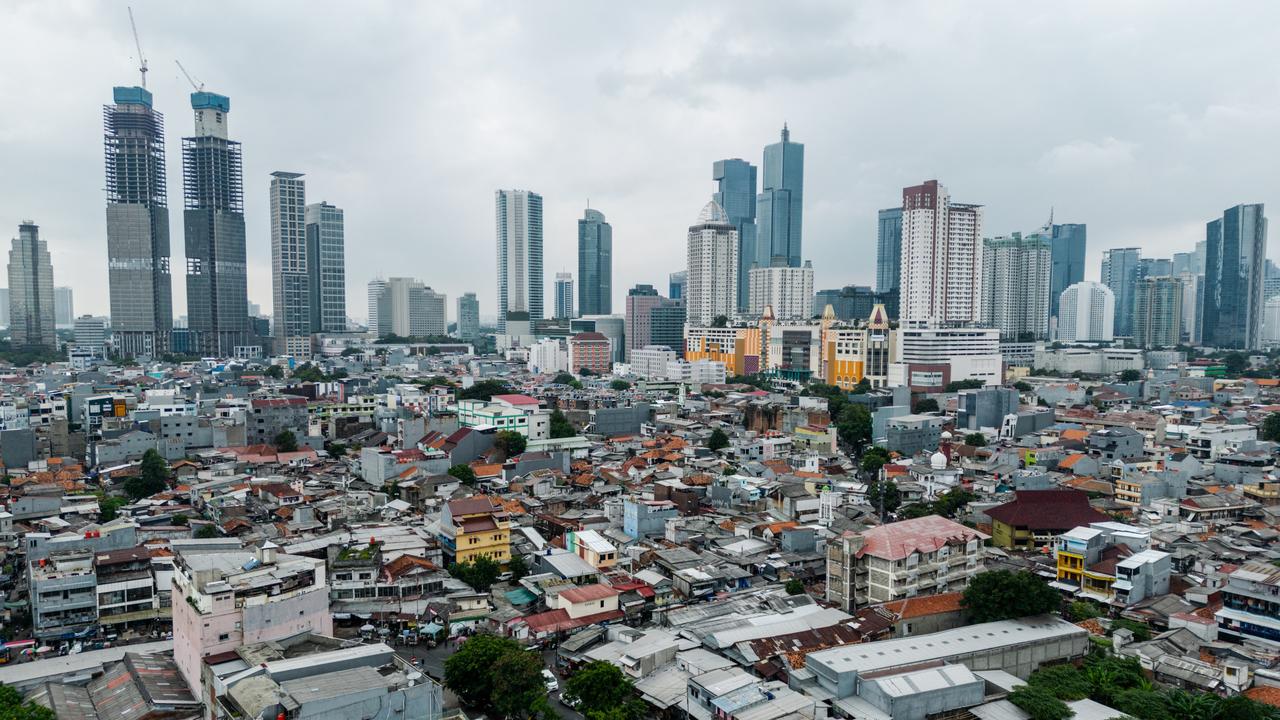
(550, 681)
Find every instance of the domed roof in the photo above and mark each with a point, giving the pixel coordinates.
(712, 213)
(946, 435)
(938, 461)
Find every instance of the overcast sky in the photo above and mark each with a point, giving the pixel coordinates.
(1142, 119)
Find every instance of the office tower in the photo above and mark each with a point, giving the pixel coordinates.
(468, 317)
(64, 312)
(712, 289)
(595, 264)
(290, 276)
(666, 325)
(376, 286)
(91, 333)
(787, 290)
(326, 267)
(1157, 312)
(1192, 308)
(850, 303)
(1184, 263)
(519, 229)
(137, 224)
(677, 282)
(888, 250)
(1016, 276)
(407, 308)
(1121, 270)
(1156, 267)
(1201, 255)
(1086, 313)
(781, 203)
(564, 296)
(1270, 281)
(1233, 279)
(941, 272)
(214, 232)
(1069, 241)
(31, 313)
(4, 306)
(736, 193)
(638, 332)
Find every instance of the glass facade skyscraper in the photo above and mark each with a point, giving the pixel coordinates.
(1121, 270)
(676, 283)
(31, 304)
(327, 267)
(1069, 242)
(519, 249)
(1236, 252)
(564, 296)
(781, 203)
(595, 264)
(736, 193)
(888, 250)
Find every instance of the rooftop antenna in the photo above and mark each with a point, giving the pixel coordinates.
(195, 83)
(142, 61)
(1050, 217)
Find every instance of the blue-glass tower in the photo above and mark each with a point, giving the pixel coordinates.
(595, 264)
(736, 193)
(888, 250)
(1236, 252)
(1121, 270)
(781, 203)
(1068, 243)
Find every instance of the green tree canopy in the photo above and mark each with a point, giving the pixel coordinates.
(1002, 594)
(13, 708)
(517, 567)
(1130, 375)
(153, 477)
(794, 587)
(206, 532)
(464, 473)
(479, 573)
(598, 687)
(483, 390)
(518, 689)
(976, 439)
(1271, 427)
(720, 321)
(718, 440)
(620, 385)
(286, 441)
(468, 672)
(872, 460)
(854, 425)
(958, 385)
(560, 425)
(926, 405)
(510, 442)
(884, 496)
(1039, 703)
(563, 379)
(1064, 682)
(109, 508)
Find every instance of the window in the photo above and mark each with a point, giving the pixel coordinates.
(223, 637)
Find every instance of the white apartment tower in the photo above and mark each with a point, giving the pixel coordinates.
(519, 246)
(713, 267)
(788, 290)
(1086, 313)
(1015, 285)
(290, 279)
(941, 268)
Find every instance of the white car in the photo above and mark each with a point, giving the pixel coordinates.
(549, 679)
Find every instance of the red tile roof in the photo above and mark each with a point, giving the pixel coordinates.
(1047, 510)
(588, 593)
(896, 541)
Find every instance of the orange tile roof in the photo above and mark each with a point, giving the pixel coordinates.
(1074, 434)
(925, 605)
(1264, 694)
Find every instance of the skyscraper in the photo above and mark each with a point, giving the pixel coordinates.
(1016, 273)
(1121, 270)
(941, 269)
(376, 286)
(888, 250)
(64, 311)
(781, 202)
(676, 283)
(327, 267)
(407, 308)
(519, 246)
(468, 317)
(713, 267)
(1069, 243)
(642, 301)
(1087, 313)
(213, 226)
(595, 264)
(564, 296)
(1233, 280)
(1157, 312)
(137, 224)
(290, 276)
(1156, 267)
(31, 314)
(787, 290)
(736, 193)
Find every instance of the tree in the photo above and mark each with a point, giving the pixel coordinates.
(1064, 682)
(976, 439)
(1141, 703)
(274, 371)
(958, 385)
(873, 459)
(560, 425)
(479, 573)
(152, 478)
(286, 441)
(926, 405)
(1130, 375)
(718, 440)
(109, 508)
(795, 587)
(1039, 703)
(1002, 594)
(181, 519)
(1021, 386)
(1235, 362)
(483, 390)
(464, 473)
(720, 321)
(518, 689)
(863, 387)
(585, 372)
(563, 379)
(510, 442)
(13, 708)
(1271, 427)
(336, 449)
(884, 496)
(206, 532)
(517, 567)
(1082, 610)
(468, 672)
(600, 686)
(620, 385)
(1141, 633)
(854, 425)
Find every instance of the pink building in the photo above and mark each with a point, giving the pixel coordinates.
(592, 351)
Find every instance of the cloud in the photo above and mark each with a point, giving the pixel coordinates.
(1086, 156)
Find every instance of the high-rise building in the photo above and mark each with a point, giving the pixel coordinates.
(327, 267)
(31, 312)
(1157, 312)
(736, 193)
(787, 290)
(468, 317)
(1086, 313)
(666, 325)
(1156, 267)
(642, 301)
(941, 271)
(4, 306)
(888, 250)
(290, 276)
(1233, 280)
(213, 228)
(850, 303)
(595, 264)
(1121, 270)
(781, 202)
(564, 296)
(376, 286)
(1016, 275)
(1184, 262)
(64, 310)
(519, 230)
(407, 308)
(676, 283)
(137, 224)
(91, 333)
(1192, 308)
(713, 267)
(1069, 242)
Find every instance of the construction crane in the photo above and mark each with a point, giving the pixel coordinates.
(199, 86)
(142, 61)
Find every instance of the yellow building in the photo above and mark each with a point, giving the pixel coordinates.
(474, 527)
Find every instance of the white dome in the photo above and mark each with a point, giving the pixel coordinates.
(712, 213)
(946, 435)
(938, 461)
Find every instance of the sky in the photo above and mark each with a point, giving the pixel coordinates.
(1142, 119)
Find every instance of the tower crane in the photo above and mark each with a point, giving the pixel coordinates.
(199, 86)
(142, 61)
